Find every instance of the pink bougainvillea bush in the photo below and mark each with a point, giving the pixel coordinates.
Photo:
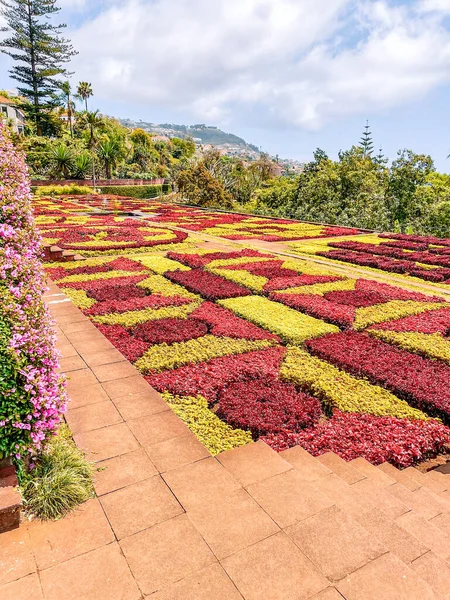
(32, 399)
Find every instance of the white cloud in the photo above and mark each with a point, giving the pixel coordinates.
(442, 6)
(302, 62)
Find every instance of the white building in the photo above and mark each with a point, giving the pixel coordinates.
(10, 112)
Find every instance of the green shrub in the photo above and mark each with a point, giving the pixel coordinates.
(136, 191)
(60, 480)
(59, 190)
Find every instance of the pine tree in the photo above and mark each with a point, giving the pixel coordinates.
(366, 143)
(39, 49)
(380, 158)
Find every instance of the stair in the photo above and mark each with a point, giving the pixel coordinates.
(57, 254)
(375, 532)
(10, 499)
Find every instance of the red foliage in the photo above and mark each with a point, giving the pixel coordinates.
(208, 285)
(108, 292)
(95, 284)
(283, 283)
(169, 331)
(129, 346)
(267, 406)
(319, 307)
(135, 303)
(401, 442)
(433, 321)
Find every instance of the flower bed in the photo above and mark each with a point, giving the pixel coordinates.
(208, 285)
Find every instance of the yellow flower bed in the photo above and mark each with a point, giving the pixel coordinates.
(309, 268)
(161, 264)
(76, 264)
(157, 284)
(395, 309)
(95, 276)
(79, 298)
(337, 389)
(292, 326)
(430, 345)
(180, 247)
(162, 357)
(133, 317)
(255, 283)
(213, 433)
(320, 289)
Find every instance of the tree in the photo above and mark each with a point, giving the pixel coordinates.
(109, 153)
(82, 165)
(201, 188)
(84, 91)
(38, 48)
(67, 98)
(62, 160)
(366, 143)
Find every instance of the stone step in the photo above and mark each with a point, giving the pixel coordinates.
(10, 506)
(400, 476)
(371, 472)
(427, 482)
(342, 469)
(309, 468)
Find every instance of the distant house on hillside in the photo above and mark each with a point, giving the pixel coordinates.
(9, 111)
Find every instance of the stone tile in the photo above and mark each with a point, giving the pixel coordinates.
(341, 468)
(442, 521)
(80, 380)
(72, 363)
(129, 386)
(107, 442)
(435, 571)
(157, 428)
(399, 476)
(232, 523)
(84, 397)
(104, 357)
(386, 578)
(211, 583)
(92, 416)
(345, 496)
(432, 537)
(166, 553)
(63, 320)
(201, 482)
(123, 470)
(335, 542)
(425, 481)
(330, 593)
(89, 334)
(371, 472)
(421, 501)
(102, 574)
(177, 452)
(66, 350)
(83, 530)
(27, 588)
(374, 492)
(89, 347)
(16, 557)
(396, 539)
(141, 405)
(140, 506)
(79, 326)
(288, 498)
(274, 568)
(308, 467)
(113, 371)
(253, 462)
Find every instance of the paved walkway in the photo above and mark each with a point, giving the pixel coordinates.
(170, 522)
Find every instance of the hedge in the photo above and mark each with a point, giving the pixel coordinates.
(136, 191)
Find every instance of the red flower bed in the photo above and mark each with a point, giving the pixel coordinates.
(401, 442)
(125, 343)
(391, 292)
(394, 252)
(135, 303)
(267, 407)
(209, 378)
(433, 321)
(108, 292)
(208, 285)
(356, 298)
(169, 331)
(422, 382)
(223, 322)
(198, 260)
(269, 269)
(407, 245)
(98, 284)
(283, 283)
(426, 239)
(319, 307)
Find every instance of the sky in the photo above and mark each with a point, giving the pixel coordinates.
(287, 75)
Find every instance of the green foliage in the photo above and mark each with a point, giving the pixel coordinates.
(60, 480)
(200, 187)
(84, 91)
(62, 190)
(136, 191)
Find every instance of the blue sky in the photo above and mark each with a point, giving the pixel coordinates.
(287, 75)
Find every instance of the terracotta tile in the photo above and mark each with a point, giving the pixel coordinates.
(118, 370)
(345, 496)
(129, 386)
(386, 578)
(330, 593)
(92, 416)
(433, 537)
(335, 542)
(83, 530)
(211, 583)
(104, 357)
(387, 502)
(341, 468)
(141, 405)
(166, 553)
(81, 379)
(157, 428)
(72, 363)
(140, 506)
(200, 482)
(308, 467)
(177, 452)
(253, 462)
(442, 521)
(66, 350)
(123, 470)
(232, 523)
(421, 501)
(16, 557)
(107, 442)
(78, 327)
(89, 334)
(102, 574)
(371, 472)
(399, 476)
(288, 498)
(274, 568)
(85, 396)
(425, 481)
(27, 588)
(435, 571)
(63, 320)
(396, 539)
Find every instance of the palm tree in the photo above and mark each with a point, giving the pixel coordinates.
(84, 91)
(93, 122)
(82, 165)
(109, 153)
(62, 159)
(67, 99)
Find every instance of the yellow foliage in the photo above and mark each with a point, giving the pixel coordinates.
(133, 317)
(395, 309)
(430, 345)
